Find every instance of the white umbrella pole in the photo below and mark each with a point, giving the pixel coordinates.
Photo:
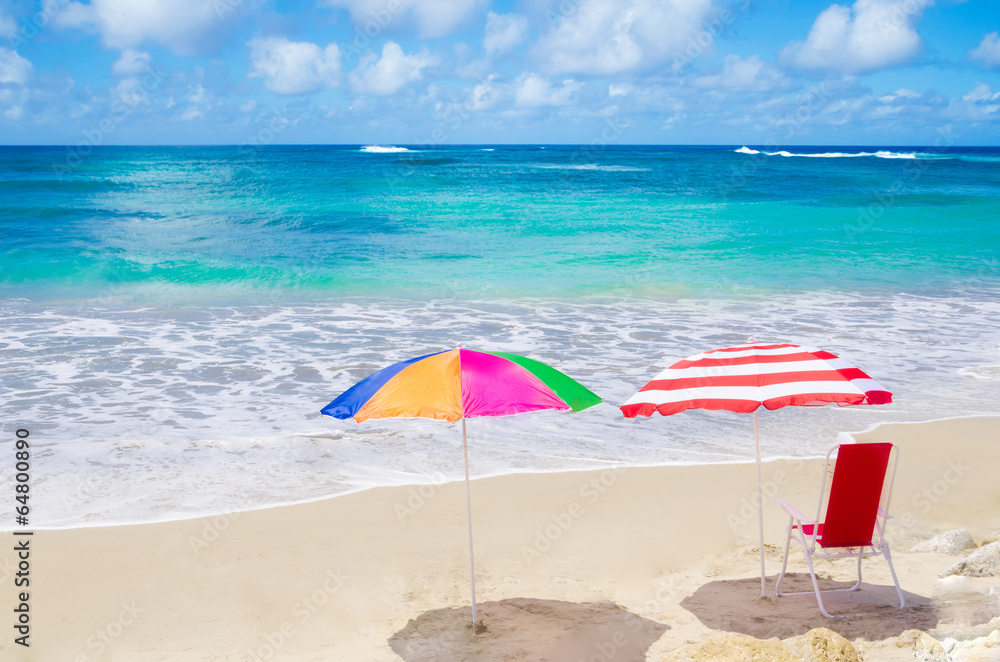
(468, 513)
(760, 505)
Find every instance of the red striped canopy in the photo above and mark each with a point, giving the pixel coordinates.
(743, 378)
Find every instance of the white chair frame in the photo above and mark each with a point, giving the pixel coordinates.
(879, 546)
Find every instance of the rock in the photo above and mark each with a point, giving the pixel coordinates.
(984, 562)
(952, 542)
(817, 645)
(980, 649)
(823, 644)
(925, 647)
(733, 648)
(993, 537)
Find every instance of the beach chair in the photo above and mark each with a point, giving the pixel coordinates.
(855, 519)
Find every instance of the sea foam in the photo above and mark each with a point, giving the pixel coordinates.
(380, 149)
(882, 154)
(152, 414)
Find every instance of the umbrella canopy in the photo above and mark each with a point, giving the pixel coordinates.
(459, 384)
(754, 375)
(746, 377)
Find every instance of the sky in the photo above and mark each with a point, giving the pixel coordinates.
(426, 72)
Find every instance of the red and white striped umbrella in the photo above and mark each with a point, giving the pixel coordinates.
(744, 378)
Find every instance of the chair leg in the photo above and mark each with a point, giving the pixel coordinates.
(857, 587)
(892, 570)
(812, 573)
(784, 563)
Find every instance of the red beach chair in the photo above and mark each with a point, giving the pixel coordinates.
(854, 524)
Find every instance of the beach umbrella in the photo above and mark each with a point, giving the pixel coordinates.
(459, 384)
(746, 377)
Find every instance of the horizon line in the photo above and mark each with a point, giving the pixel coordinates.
(595, 148)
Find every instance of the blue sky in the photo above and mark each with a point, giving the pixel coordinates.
(778, 72)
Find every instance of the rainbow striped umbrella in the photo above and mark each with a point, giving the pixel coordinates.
(754, 375)
(460, 384)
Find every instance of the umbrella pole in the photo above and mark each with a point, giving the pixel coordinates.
(468, 513)
(760, 505)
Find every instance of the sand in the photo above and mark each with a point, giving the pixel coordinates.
(628, 564)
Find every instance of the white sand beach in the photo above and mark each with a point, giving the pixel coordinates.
(628, 564)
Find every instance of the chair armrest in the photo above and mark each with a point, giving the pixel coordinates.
(795, 512)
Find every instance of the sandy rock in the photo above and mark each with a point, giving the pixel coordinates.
(993, 537)
(925, 647)
(984, 562)
(817, 645)
(952, 542)
(823, 644)
(981, 649)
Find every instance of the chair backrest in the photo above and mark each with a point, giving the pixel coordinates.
(855, 495)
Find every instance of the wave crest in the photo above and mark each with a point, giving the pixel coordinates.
(882, 154)
(383, 149)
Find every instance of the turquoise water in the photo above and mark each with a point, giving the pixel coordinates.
(174, 318)
(559, 221)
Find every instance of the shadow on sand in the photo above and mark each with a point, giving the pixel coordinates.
(528, 630)
(871, 612)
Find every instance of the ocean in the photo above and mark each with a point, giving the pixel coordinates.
(174, 318)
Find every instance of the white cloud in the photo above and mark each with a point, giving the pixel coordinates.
(534, 91)
(901, 93)
(749, 75)
(484, 95)
(988, 51)
(186, 27)
(866, 37)
(14, 69)
(198, 103)
(294, 67)
(982, 103)
(15, 72)
(619, 89)
(131, 62)
(13, 100)
(434, 18)
(385, 75)
(982, 92)
(504, 32)
(608, 36)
